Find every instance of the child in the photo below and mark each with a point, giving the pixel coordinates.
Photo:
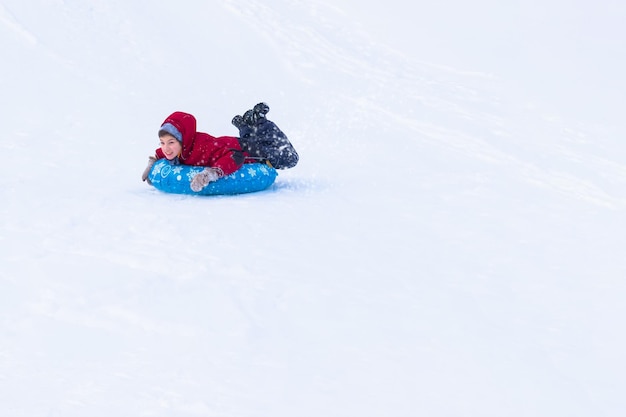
(260, 141)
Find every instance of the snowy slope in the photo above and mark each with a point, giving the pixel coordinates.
(450, 243)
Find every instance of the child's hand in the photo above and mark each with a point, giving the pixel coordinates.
(203, 178)
(146, 172)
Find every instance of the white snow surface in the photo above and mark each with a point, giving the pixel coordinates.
(450, 244)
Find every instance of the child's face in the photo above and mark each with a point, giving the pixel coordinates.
(170, 146)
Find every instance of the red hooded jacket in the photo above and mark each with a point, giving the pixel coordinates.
(202, 149)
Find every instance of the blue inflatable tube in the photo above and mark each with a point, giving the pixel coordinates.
(177, 179)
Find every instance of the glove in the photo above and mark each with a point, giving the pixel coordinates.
(146, 172)
(203, 178)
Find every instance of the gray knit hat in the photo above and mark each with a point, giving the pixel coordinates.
(171, 129)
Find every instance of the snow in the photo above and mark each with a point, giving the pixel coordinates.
(451, 242)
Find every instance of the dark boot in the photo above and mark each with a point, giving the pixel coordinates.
(237, 122)
(248, 118)
(260, 110)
